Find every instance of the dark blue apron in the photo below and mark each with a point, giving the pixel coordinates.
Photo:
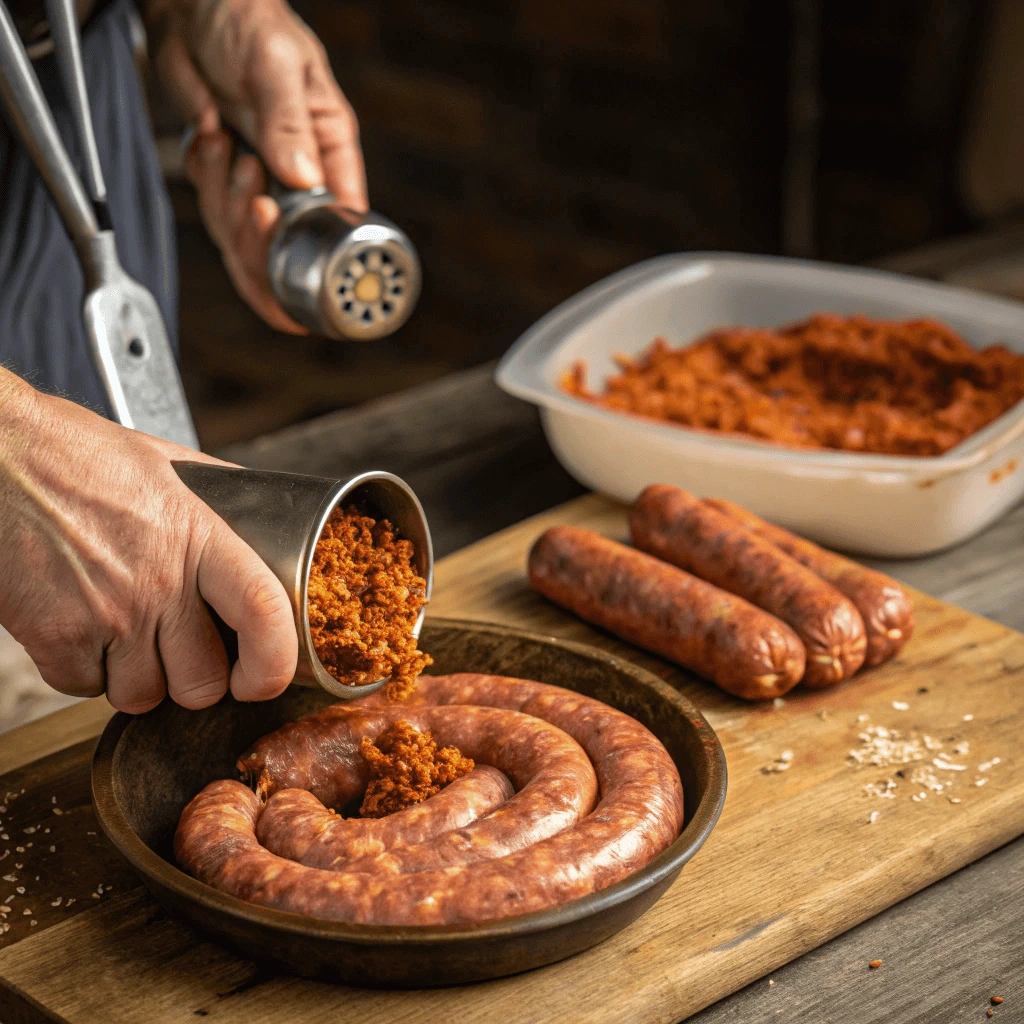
(41, 286)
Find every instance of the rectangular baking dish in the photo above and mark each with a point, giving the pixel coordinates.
(883, 505)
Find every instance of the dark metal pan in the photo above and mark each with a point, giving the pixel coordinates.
(147, 768)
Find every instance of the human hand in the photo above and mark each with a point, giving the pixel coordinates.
(255, 65)
(108, 558)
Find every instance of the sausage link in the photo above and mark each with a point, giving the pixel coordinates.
(675, 526)
(640, 812)
(553, 776)
(295, 825)
(663, 609)
(885, 607)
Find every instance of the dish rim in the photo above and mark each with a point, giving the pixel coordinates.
(520, 372)
(151, 865)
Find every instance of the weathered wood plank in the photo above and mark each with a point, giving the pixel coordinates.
(945, 952)
(792, 863)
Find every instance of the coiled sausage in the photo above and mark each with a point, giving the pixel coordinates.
(638, 814)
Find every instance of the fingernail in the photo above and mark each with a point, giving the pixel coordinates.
(243, 177)
(306, 169)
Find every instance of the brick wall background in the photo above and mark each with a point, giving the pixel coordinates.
(530, 147)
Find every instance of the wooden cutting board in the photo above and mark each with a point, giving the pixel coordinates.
(794, 860)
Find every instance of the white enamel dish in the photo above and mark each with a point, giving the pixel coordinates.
(872, 504)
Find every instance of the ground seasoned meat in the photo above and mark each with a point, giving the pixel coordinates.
(663, 609)
(681, 529)
(547, 844)
(364, 598)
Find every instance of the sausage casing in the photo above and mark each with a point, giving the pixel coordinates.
(657, 606)
(638, 814)
(885, 607)
(683, 530)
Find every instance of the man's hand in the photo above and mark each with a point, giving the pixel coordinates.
(108, 557)
(254, 65)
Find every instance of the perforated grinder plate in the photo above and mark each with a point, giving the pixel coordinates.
(370, 287)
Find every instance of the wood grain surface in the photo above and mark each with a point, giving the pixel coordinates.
(792, 863)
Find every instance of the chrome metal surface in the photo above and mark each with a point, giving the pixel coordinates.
(63, 19)
(281, 516)
(26, 106)
(340, 274)
(126, 331)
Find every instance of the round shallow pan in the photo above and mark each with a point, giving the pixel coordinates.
(147, 768)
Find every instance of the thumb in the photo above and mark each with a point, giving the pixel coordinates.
(283, 122)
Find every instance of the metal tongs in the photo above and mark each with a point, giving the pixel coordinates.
(123, 322)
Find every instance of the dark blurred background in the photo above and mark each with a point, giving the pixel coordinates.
(530, 147)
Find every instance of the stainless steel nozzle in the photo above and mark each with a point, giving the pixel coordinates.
(349, 276)
(281, 516)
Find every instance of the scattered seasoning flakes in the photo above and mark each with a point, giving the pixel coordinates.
(20, 890)
(4, 835)
(53, 799)
(955, 800)
(90, 833)
(10, 878)
(19, 849)
(57, 902)
(53, 849)
(873, 817)
(947, 766)
(986, 765)
(778, 703)
(771, 981)
(57, 810)
(996, 1000)
(962, 748)
(26, 913)
(4, 909)
(968, 718)
(7, 853)
(782, 763)
(9, 899)
(823, 714)
(875, 964)
(900, 705)
(988, 1013)
(32, 828)
(70, 901)
(980, 782)
(886, 790)
(95, 895)
(32, 924)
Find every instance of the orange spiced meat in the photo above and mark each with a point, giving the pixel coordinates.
(848, 383)
(406, 767)
(364, 599)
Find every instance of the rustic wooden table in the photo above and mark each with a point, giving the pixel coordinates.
(479, 462)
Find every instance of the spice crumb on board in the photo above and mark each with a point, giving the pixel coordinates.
(873, 817)
(782, 763)
(968, 718)
(996, 1000)
(874, 964)
(882, 746)
(900, 705)
(779, 702)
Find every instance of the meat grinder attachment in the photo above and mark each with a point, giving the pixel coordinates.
(281, 516)
(348, 276)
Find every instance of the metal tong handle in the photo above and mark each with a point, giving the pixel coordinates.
(23, 98)
(67, 45)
